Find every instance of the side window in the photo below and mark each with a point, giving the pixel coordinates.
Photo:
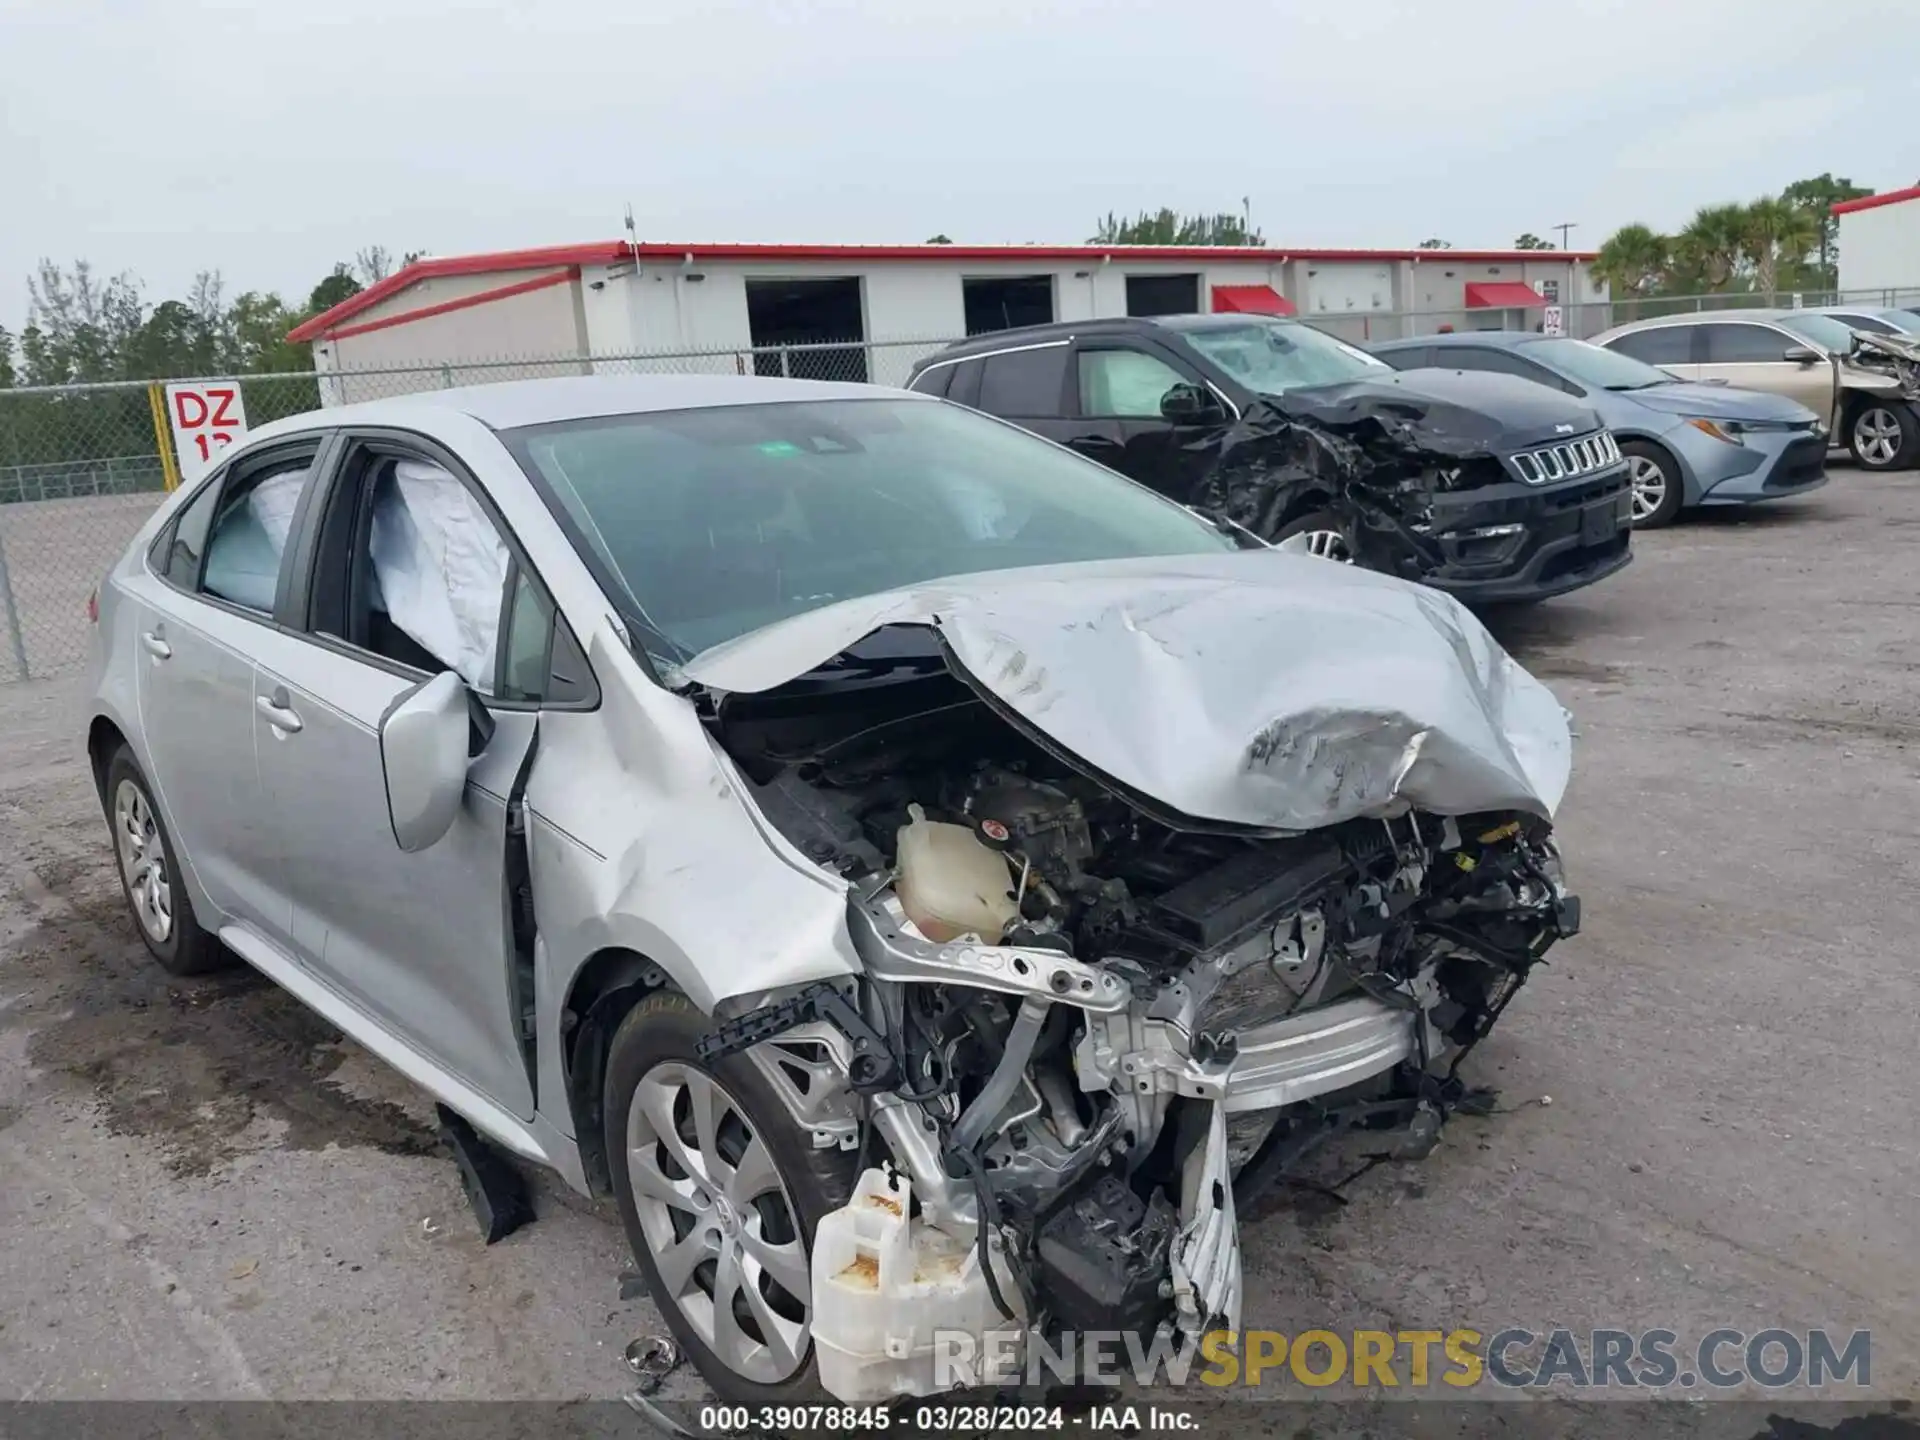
(933, 381)
(1745, 345)
(1025, 383)
(1127, 384)
(184, 543)
(1661, 345)
(964, 388)
(1872, 324)
(1502, 362)
(412, 568)
(1416, 357)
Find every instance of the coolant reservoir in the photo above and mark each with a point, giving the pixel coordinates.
(950, 884)
(885, 1283)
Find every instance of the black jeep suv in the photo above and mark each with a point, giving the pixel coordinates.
(1487, 486)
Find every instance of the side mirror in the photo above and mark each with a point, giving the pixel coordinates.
(426, 740)
(1802, 355)
(1187, 404)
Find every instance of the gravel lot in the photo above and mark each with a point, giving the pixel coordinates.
(207, 1193)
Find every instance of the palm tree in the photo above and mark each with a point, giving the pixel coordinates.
(1633, 261)
(1713, 244)
(1779, 233)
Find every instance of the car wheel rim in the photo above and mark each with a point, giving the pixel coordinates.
(719, 1221)
(143, 861)
(1649, 486)
(1876, 435)
(1327, 544)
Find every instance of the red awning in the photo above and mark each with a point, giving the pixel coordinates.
(1503, 295)
(1251, 300)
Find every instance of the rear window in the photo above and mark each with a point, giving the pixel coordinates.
(933, 381)
(1024, 383)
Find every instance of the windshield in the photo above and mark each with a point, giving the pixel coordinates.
(1823, 330)
(718, 521)
(1591, 365)
(1275, 356)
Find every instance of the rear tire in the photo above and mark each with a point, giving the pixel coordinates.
(150, 875)
(1657, 488)
(793, 1186)
(1323, 534)
(1883, 435)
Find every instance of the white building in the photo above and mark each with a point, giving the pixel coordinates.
(703, 307)
(1879, 246)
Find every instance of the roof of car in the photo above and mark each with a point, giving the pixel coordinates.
(1505, 339)
(1068, 329)
(1704, 317)
(511, 404)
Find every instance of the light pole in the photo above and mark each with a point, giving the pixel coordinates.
(1563, 229)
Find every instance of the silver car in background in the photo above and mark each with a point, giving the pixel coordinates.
(1865, 388)
(879, 848)
(1686, 444)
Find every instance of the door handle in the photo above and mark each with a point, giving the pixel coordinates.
(278, 708)
(154, 645)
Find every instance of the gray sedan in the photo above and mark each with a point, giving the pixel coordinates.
(838, 825)
(1687, 444)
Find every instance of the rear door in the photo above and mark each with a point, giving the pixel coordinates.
(1753, 356)
(204, 611)
(1676, 349)
(406, 572)
(1120, 385)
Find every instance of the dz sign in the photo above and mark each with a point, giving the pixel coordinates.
(205, 418)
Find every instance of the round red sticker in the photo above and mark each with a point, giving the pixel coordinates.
(994, 830)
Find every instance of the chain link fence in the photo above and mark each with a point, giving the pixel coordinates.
(81, 466)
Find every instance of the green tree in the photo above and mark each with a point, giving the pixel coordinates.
(1531, 241)
(1164, 227)
(6, 359)
(84, 323)
(1779, 233)
(1816, 197)
(260, 323)
(1633, 261)
(339, 285)
(1436, 243)
(939, 240)
(1711, 252)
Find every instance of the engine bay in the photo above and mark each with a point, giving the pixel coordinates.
(1080, 1118)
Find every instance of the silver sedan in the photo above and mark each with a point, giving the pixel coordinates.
(842, 827)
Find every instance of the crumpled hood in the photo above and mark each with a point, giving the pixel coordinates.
(1895, 356)
(1720, 402)
(1255, 688)
(1447, 411)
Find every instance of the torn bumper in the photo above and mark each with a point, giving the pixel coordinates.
(1522, 542)
(1306, 1056)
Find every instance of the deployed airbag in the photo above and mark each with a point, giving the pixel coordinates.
(243, 559)
(441, 567)
(1258, 688)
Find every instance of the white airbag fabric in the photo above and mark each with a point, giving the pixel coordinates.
(243, 560)
(441, 567)
(1258, 688)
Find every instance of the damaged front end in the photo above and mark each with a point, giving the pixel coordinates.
(1887, 358)
(1083, 958)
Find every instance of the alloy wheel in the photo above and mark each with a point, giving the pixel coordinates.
(720, 1222)
(1876, 435)
(143, 861)
(1649, 486)
(1327, 544)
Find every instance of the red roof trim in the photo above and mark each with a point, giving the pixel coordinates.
(1251, 300)
(613, 252)
(326, 326)
(1874, 202)
(1502, 295)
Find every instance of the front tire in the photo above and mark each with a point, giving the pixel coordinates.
(1318, 532)
(1657, 488)
(720, 1192)
(150, 875)
(1883, 435)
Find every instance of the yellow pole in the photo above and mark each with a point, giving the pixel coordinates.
(162, 435)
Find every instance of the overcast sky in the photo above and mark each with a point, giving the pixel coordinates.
(269, 138)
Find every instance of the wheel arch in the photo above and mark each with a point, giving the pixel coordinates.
(104, 736)
(1690, 490)
(603, 990)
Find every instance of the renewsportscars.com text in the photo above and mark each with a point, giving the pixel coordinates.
(1456, 1359)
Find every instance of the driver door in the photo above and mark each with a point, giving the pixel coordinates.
(423, 942)
(1124, 385)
